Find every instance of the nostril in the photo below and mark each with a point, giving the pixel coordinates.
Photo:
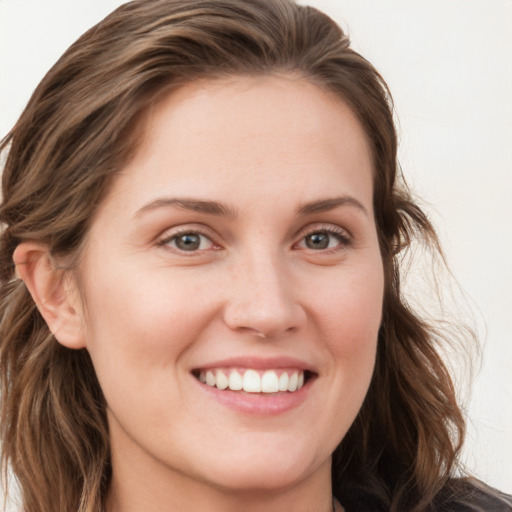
(270, 333)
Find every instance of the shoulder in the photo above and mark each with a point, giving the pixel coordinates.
(457, 495)
(471, 495)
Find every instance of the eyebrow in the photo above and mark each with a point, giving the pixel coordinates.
(218, 209)
(325, 205)
(194, 205)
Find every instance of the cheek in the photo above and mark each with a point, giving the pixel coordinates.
(351, 311)
(351, 316)
(138, 325)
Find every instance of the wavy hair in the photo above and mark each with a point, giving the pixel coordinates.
(81, 127)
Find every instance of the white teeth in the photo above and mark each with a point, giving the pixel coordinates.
(236, 382)
(221, 380)
(210, 378)
(270, 382)
(292, 383)
(252, 382)
(283, 382)
(300, 381)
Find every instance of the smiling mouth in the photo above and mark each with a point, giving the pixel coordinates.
(254, 381)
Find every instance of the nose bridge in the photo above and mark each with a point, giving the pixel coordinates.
(263, 298)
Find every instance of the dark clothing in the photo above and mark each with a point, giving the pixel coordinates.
(478, 500)
(459, 495)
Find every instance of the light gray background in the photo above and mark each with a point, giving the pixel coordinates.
(449, 66)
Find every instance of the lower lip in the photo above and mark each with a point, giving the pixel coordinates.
(264, 404)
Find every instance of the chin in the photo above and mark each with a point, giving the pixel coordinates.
(256, 480)
(273, 471)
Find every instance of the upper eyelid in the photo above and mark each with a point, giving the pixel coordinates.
(199, 229)
(323, 226)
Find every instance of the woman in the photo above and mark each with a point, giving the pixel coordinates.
(203, 208)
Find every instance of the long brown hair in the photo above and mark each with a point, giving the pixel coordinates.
(81, 127)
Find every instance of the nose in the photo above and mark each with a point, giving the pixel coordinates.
(264, 298)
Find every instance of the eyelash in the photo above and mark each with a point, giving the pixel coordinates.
(344, 238)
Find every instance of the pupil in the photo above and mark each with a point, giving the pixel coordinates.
(317, 241)
(189, 242)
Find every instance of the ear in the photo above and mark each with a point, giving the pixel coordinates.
(54, 292)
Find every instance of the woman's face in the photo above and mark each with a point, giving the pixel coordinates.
(238, 246)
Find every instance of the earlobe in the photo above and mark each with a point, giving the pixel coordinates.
(54, 292)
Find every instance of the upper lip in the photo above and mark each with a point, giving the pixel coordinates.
(259, 363)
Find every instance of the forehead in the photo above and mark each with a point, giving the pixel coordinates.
(252, 134)
(283, 104)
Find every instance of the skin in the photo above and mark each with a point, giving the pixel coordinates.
(255, 287)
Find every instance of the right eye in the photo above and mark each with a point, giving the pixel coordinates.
(187, 241)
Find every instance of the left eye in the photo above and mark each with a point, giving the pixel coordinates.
(189, 242)
(321, 240)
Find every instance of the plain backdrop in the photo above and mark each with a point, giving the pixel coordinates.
(449, 66)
